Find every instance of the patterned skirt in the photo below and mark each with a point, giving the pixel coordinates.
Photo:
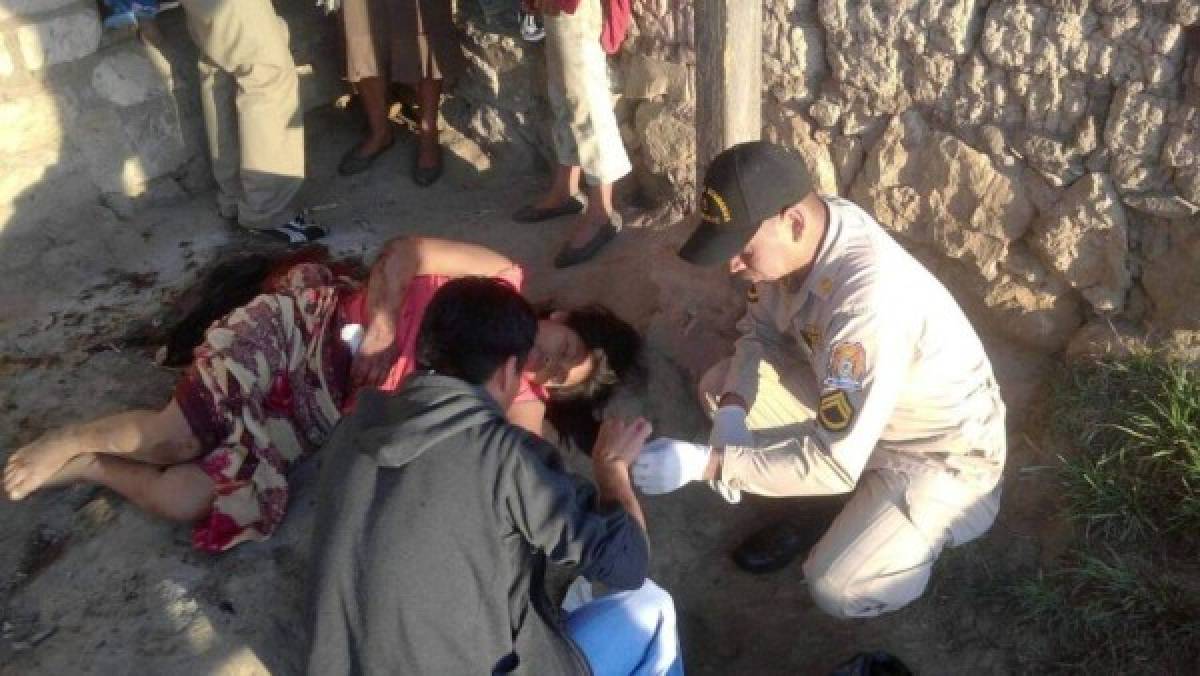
(264, 390)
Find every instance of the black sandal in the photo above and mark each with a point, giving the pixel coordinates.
(569, 256)
(532, 214)
(426, 176)
(354, 163)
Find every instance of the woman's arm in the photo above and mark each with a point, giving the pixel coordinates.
(403, 258)
(400, 260)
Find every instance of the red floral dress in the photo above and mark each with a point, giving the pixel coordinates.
(269, 384)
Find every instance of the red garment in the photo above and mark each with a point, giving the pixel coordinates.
(618, 14)
(408, 323)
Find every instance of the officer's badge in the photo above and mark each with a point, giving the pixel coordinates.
(847, 367)
(836, 412)
(752, 294)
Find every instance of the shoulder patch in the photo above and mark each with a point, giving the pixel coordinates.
(847, 366)
(836, 412)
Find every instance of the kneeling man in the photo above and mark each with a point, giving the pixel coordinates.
(437, 517)
(856, 372)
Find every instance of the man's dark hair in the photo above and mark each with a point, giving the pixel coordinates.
(472, 326)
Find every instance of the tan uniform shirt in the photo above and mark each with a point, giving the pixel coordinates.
(903, 379)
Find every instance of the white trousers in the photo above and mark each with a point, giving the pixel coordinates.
(585, 128)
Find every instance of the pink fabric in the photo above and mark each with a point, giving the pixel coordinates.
(618, 14)
(408, 323)
(617, 17)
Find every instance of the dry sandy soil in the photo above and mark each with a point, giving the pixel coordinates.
(90, 585)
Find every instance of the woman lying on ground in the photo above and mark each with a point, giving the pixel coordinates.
(273, 377)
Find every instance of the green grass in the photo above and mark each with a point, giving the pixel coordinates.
(1126, 596)
(1135, 425)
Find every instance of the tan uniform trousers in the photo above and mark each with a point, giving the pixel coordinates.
(584, 127)
(878, 554)
(250, 96)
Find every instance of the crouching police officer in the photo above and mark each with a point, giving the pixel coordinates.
(855, 371)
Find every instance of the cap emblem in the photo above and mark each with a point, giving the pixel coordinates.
(713, 208)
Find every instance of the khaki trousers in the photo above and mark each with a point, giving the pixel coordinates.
(585, 128)
(877, 555)
(249, 93)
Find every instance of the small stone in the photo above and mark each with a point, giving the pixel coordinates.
(1163, 206)
(647, 78)
(126, 78)
(825, 112)
(1086, 240)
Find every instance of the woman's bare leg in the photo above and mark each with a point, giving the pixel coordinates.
(566, 180)
(429, 96)
(156, 437)
(374, 94)
(179, 493)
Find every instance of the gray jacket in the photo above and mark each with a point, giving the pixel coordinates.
(436, 517)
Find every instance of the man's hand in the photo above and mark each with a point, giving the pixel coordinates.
(619, 442)
(375, 356)
(666, 465)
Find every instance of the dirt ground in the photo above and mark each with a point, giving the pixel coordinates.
(89, 584)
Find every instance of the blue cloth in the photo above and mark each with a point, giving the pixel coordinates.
(128, 11)
(629, 633)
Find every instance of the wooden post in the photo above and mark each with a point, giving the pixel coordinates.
(728, 76)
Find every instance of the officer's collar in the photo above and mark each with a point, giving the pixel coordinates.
(819, 280)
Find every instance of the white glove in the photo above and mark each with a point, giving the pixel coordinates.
(729, 428)
(330, 6)
(665, 465)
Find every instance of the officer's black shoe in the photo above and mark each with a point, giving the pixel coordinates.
(773, 548)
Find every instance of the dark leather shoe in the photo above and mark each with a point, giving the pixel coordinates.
(569, 256)
(426, 176)
(354, 163)
(532, 214)
(773, 548)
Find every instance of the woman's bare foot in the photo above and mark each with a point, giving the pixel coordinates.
(79, 468)
(32, 466)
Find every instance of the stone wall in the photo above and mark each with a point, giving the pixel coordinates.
(1042, 157)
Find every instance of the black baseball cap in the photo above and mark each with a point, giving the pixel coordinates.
(744, 186)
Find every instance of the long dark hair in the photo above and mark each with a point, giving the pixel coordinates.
(228, 285)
